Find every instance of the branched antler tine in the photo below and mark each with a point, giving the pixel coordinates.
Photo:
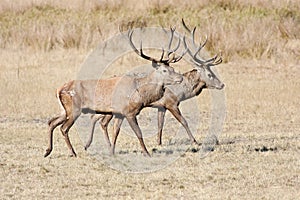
(183, 53)
(171, 37)
(145, 56)
(218, 61)
(195, 56)
(141, 48)
(193, 37)
(197, 60)
(162, 55)
(197, 52)
(171, 40)
(174, 60)
(130, 32)
(140, 53)
(164, 30)
(175, 49)
(212, 60)
(185, 45)
(204, 43)
(201, 46)
(185, 26)
(214, 63)
(190, 31)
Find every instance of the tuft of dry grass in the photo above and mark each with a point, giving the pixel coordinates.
(240, 29)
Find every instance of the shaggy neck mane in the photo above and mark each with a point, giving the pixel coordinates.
(193, 77)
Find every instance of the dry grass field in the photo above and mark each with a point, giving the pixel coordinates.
(44, 43)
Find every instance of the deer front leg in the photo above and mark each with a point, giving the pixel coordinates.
(94, 119)
(160, 119)
(104, 124)
(135, 127)
(117, 125)
(177, 114)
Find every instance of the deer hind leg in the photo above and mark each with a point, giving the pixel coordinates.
(177, 114)
(104, 121)
(117, 125)
(53, 123)
(135, 127)
(160, 119)
(65, 127)
(94, 118)
(72, 107)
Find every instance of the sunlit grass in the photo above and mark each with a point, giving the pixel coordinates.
(240, 29)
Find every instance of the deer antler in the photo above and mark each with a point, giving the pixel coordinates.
(140, 52)
(174, 59)
(217, 59)
(171, 59)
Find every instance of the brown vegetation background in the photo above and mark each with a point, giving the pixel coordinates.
(43, 43)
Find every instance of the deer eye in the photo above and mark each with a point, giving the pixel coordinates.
(164, 70)
(209, 76)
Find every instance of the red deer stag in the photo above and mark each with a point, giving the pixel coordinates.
(193, 83)
(103, 97)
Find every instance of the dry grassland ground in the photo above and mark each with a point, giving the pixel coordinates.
(42, 46)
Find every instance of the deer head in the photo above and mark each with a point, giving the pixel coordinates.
(204, 66)
(163, 70)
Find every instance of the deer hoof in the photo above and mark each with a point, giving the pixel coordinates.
(48, 151)
(159, 142)
(73, 155)
(146, 154)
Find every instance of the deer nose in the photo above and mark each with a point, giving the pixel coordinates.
(222, 86)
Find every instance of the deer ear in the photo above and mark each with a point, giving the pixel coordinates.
(155, 65)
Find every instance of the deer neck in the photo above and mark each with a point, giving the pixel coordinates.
(196, 84)
(149, 89)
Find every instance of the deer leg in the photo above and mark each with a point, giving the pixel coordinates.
(117, 126)
(71, 118)
(65, 129)
(177, 114)
(104, 124)
(94, 119)
(135, 127)
(53, 123)
(161, 119)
